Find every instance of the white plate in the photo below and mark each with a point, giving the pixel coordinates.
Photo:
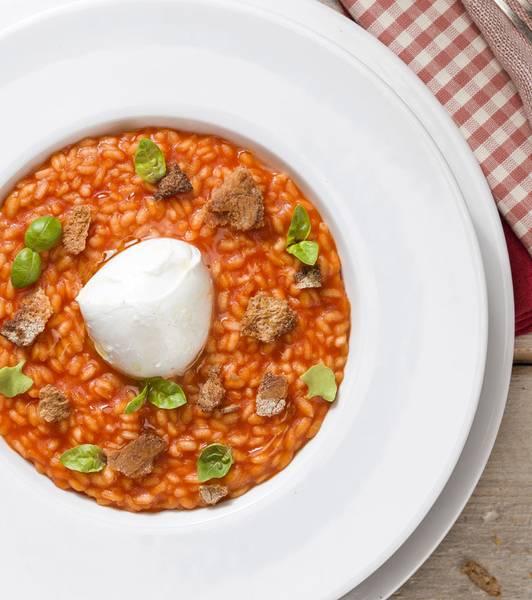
(412, 267)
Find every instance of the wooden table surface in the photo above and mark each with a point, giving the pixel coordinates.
(495, 528)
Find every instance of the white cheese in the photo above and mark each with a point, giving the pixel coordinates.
(148, 309)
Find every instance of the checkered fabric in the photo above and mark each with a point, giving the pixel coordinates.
(440, 42)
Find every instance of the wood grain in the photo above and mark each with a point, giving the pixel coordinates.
(495, 528)
(523, 350)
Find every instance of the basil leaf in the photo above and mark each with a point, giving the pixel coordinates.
(321, 382)
(86, 458)
(138, 401)
(43, 233)
(306, 252)
(165, 394)
(149, 161)
(13, 382)
(299, 226)
(26, 268)
(214, 462)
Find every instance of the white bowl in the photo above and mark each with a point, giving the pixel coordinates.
(412, 271)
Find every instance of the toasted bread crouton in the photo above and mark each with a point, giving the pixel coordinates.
(308, 277)
(480, 577)
(53, 406)
(212, 391)
(267, 318)
(212, 494)
(174, 182)
(29, 320)
(136, 459)
(271, 396)
(238, 202)
(76, 229)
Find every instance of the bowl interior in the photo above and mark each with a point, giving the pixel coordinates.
(277, 157)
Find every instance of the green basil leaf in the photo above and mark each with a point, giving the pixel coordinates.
(43, 233)
(86, 458)
(299, 226)
(26, 268)
(149, 161)
(13, 382)
(321, 382)
(214, 462)
(138, 401)
(306, 252)
(165, 394)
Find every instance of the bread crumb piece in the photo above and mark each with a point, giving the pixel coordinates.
(267, 318)
(76, 229)
(271, 396)
(174, 182)
(238, 202)
(212, 391)
(481, 578)
(212, 494)
(54, 406)
(308, 277)
(136, 459)
(29, 320)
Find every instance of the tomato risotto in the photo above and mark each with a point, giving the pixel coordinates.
(242, 391)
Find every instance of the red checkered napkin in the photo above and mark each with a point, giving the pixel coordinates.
(439, 41)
